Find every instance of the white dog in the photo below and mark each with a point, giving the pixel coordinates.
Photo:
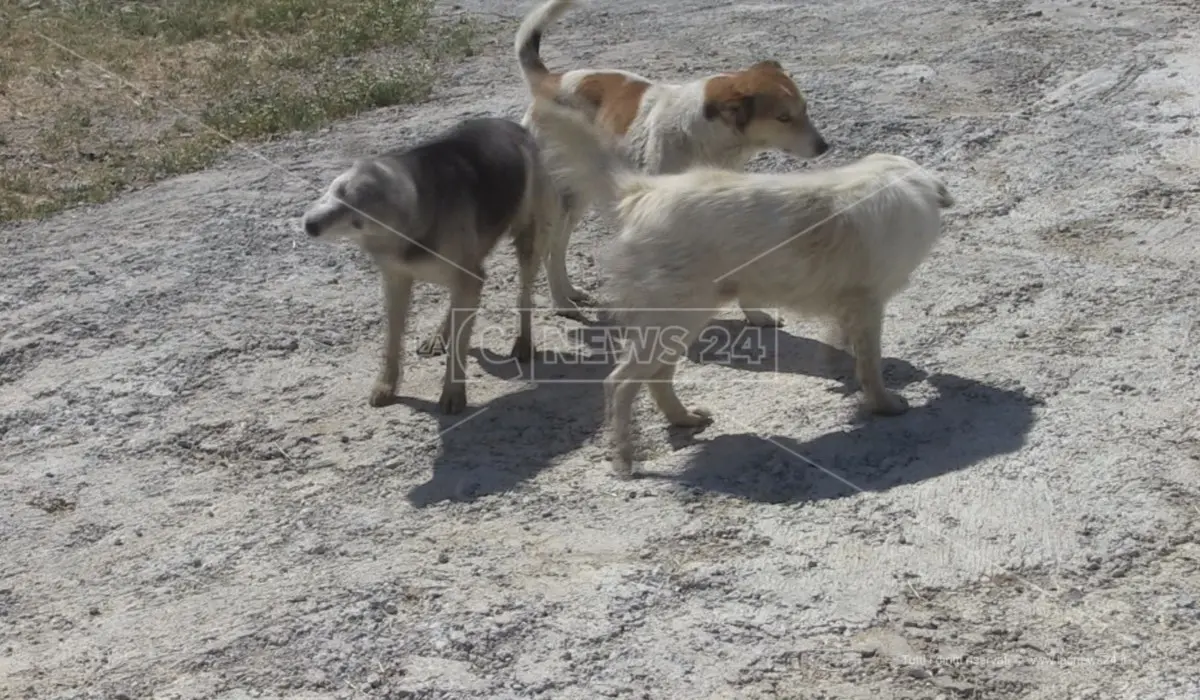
(720, 120)
(837, 244)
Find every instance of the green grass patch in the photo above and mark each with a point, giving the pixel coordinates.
(98, 96)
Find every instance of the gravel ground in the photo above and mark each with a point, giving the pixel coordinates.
(197, 502)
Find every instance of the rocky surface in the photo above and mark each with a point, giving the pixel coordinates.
(196, 500)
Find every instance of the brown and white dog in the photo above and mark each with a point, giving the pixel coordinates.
(719, 121)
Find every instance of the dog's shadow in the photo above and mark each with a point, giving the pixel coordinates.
(738, 345)
(967, 422)
(499, 445)
(511, 439)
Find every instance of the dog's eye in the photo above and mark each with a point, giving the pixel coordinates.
(785, 118)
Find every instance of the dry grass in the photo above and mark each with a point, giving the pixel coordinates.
(101, 96)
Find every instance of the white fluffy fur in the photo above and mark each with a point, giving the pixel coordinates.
(836, 243)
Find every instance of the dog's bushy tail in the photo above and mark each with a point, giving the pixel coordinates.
(528, 44)
(594, 165)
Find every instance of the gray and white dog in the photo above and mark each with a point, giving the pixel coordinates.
(434, 212)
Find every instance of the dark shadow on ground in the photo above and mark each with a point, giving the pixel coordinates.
(496, 446)
(967, 422)
(735, 344)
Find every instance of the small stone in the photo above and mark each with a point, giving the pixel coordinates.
(443, 557)
(94, 611)
(196, 563)
(1022, 334)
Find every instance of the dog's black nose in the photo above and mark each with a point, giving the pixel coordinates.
(822, 146)
(311, 227)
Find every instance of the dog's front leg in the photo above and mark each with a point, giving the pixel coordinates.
(464, 304)
(397, 295)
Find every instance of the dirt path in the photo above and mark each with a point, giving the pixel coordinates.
(196, 500)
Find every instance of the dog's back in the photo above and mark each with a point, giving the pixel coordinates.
(481, 165)
(797, 239)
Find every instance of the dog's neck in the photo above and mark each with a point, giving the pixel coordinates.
(678, 136)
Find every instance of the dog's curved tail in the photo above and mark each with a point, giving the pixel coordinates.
(593, 163)
(528, 45)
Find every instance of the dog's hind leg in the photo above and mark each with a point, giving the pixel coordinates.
(529, 263)
(662, 382)
(649, 357)
(397, 295)
(620, 389)
(464, 305)
(662, 389)
(862, 324)
(563, 294)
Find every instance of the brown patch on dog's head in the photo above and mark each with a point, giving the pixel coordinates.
(615, 97)
(763, 105)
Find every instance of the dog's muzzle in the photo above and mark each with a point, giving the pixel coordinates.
(312, 227)
(822, 146)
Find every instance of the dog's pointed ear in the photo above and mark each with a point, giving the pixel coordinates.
(769, 64)
(737, 112)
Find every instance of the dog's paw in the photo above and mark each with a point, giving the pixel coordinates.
(622, 463)
(432, 346)
(522, 349)
(581, 297)
(762, 319)
(572, 313)
(888, 404)
(382, 394)
(695, 417)
(453, 399)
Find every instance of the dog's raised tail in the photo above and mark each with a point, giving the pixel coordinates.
(594, 164)
(528, 45)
